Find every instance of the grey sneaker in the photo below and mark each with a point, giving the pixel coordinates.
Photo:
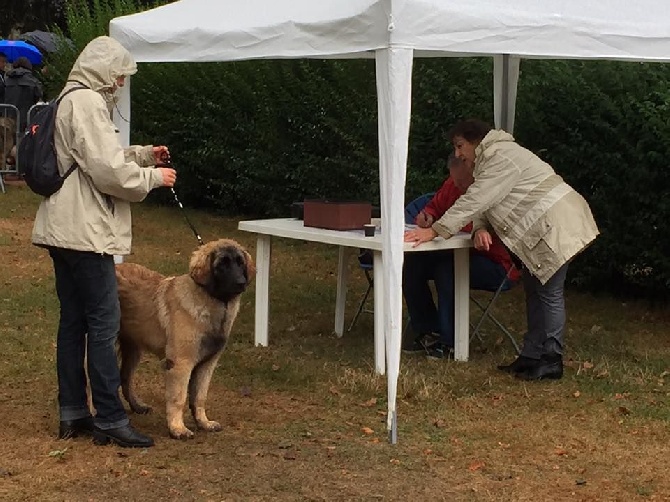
(439, 350)
(420, 343)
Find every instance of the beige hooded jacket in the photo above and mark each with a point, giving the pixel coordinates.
(91, 212)
(538, 216)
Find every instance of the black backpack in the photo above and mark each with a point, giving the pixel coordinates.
(37, 152)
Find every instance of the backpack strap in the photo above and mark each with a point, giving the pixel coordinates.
(71, 90)
(75, 165)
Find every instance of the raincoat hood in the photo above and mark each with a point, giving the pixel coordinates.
(17, 73)
(101, 62)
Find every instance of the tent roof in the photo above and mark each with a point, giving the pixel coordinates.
(225, 30)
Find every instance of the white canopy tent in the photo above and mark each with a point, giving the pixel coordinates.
(394, 32)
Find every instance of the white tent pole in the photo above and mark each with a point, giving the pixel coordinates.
(505, 83)
(121, 112)
(394, 99)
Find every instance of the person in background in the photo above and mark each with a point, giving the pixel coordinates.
(3, 65)
(22, 88)
(83, 225)
(543, 221)
(434, 326)
(7, 123)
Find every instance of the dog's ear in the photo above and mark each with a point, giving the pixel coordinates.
(251, 267)
(200, 267)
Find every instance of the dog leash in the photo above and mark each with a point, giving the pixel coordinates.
(166, 161)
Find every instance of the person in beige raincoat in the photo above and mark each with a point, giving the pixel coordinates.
(83, 226)
(542, 221)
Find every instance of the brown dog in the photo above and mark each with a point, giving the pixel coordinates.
(185, 320)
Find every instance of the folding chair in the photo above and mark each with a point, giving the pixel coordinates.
(365, 262)
(365, 255)
(487, 307)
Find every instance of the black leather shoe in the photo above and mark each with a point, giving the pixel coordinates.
(125, 436)
(549, 368)
(520, 364)
(74, 428)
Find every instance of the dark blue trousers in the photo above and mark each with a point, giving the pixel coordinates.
(421, 267)
(89, 324)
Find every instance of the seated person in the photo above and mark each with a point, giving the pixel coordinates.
(434, 327)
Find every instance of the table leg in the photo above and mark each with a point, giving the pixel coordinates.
(380, 328)
(263, 251)
(462, 303)
(340, 302)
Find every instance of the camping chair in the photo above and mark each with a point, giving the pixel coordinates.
(487, 307)
(365, 256)
(365, 262)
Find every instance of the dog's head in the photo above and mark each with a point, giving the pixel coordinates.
(223, 268)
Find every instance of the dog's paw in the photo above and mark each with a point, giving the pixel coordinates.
(181, 433)
(210, 426)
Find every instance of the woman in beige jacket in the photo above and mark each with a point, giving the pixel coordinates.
(83, 226)
(541, 219)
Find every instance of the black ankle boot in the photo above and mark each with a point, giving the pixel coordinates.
(124, 436)
(549, 367)
(74, 428)
(520, 364)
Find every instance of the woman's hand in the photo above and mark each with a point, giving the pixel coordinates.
(169, 176)
(483, 240)
(161, 154)
(419, 235)
(423, 219)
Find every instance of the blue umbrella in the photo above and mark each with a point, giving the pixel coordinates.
(14, 49)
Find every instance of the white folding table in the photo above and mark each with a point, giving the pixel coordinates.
(292, 228)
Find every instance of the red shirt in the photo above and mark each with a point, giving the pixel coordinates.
(443, 199)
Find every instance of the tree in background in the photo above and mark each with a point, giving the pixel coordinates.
(18, 16)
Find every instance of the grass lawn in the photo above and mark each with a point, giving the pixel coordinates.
(304, 419)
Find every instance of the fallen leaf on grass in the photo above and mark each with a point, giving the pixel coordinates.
(334, 391)
(370, 402)
(275, 367)
(577, 394)
(395, 461)
(476, 465)
(561, 451)
(440, 423)
(587, 365)
(367, 430)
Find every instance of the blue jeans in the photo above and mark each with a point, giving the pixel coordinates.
(421, 267)
(545, 314)
(89, 325)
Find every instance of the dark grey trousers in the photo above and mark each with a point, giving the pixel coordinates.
(545, 314)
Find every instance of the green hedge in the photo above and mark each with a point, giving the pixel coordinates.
(249, 138)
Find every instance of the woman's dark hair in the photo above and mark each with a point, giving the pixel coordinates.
(22, 62)
(471, 130)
